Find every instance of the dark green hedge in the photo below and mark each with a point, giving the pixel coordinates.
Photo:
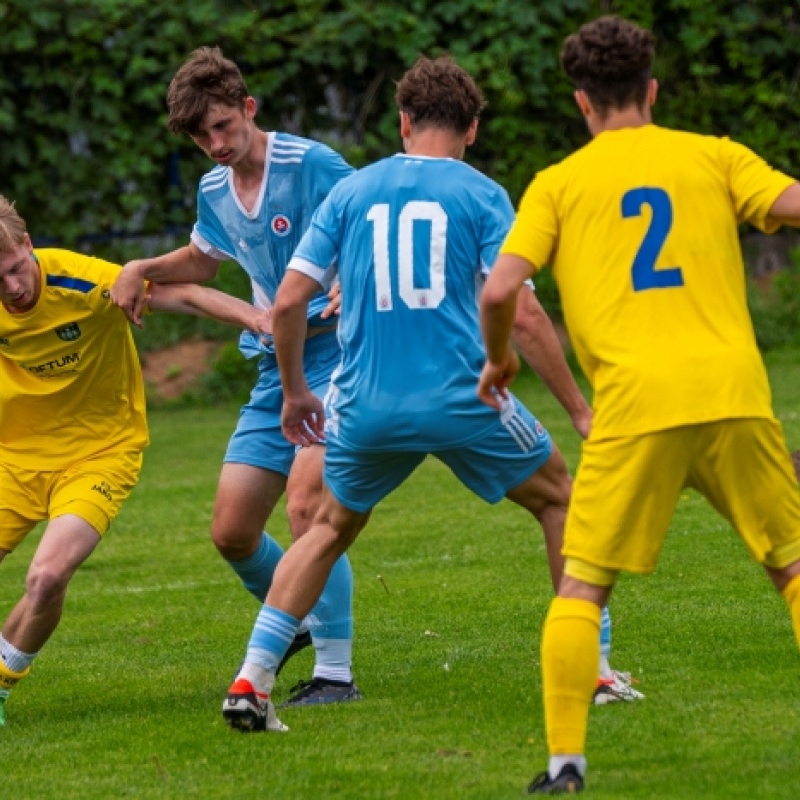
(84, 144)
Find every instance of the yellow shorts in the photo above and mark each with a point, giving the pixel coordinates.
(93, 490)
(626, 490)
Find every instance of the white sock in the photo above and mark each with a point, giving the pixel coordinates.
(605, 669)
(261, 679)
(557, 763)
(14, 659)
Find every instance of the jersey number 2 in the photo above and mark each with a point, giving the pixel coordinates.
(415, 211)
(644, 272)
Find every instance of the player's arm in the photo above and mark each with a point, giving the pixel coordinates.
(786, 209)
(186, 265)
(303, 416)
(202, 301)
(498, 312)
(535, 338)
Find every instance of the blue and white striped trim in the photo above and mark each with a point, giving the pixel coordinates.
(215, 179)
(519, 429)
(65, 282)
(288, 152)
(324, 276)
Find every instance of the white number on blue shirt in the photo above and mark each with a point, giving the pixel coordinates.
(415, 211)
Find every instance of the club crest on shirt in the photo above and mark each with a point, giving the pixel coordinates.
(281, 226)
(539, 429)
(5, 342)
(69, 333)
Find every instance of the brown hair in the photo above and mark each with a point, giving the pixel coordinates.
(440, 94)
(12, 227)
(206, 78)
(610, 59)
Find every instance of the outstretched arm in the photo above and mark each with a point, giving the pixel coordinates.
(186, 265)
(303, 415)
(535, 338)
(786, 209)
(202, 301)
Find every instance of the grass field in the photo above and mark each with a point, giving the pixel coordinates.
(125, 699)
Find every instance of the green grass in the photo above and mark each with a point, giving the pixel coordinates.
(124, 701)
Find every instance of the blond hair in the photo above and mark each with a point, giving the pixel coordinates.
(12, 227)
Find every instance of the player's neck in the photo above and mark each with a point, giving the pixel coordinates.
(617, 119)
(435, 143)
(251, 168)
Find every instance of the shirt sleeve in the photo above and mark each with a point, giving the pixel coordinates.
(208, 233)
(534, 235)
(754, 184)
(497, 217)
(316, 255)
(323, 168)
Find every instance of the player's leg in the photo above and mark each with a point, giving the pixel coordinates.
(330, 622)
(747, 474)
(299, 581)
(355, 482)
(67, 542)
(619, 513)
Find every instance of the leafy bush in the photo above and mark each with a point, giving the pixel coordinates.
(776, 310)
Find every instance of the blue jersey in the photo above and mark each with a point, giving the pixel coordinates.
(298, 174)
(410, 238)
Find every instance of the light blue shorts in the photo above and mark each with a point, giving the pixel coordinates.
(257, 440)
(491, 465)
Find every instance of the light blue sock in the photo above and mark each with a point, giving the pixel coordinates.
(605, 645)
(605, 633)
(256, 571)
(331, 625)
(272, 634)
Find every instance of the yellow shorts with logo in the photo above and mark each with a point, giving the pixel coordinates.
(93, 489)
(626, 490)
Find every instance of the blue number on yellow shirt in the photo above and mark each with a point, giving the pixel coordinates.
(644, 272)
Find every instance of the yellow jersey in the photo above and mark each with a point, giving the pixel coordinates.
(70, 380)
(641, 229)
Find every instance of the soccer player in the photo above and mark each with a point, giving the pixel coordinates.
(72, 417)
(640, 227)
(410, 237)
(253, 207)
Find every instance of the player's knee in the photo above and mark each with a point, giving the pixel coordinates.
(234, 542)
(46, 585)
(300, 511)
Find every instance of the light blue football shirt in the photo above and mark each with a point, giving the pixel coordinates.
(298, 175)
(413, 237)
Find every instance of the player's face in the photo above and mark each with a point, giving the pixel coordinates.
(19, 278)
(226, 134)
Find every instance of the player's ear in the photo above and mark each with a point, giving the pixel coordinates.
(28, 243)
(582, 101)
(250, 108)
(652, 92)
(405, 125)
(472, 132)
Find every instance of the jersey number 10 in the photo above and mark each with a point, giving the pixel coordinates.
(415, 211)
(644, 272)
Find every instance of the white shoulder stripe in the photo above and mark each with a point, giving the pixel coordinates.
(215, 174)
(286, 160)
(211, 187)
(291, 145)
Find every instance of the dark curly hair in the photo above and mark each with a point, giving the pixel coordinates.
(610, 59)
(206, 78)
(439, 94)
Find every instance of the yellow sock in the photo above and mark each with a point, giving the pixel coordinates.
(570, 653)
(9, 678)
(791, 594)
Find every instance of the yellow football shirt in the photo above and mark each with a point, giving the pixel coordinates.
(70, 381)
(641, 229)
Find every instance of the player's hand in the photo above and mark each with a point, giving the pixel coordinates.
(335, 304)
(582, 421)
(303, 419)
(262, 323)
(128, 293)
(496, 378)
